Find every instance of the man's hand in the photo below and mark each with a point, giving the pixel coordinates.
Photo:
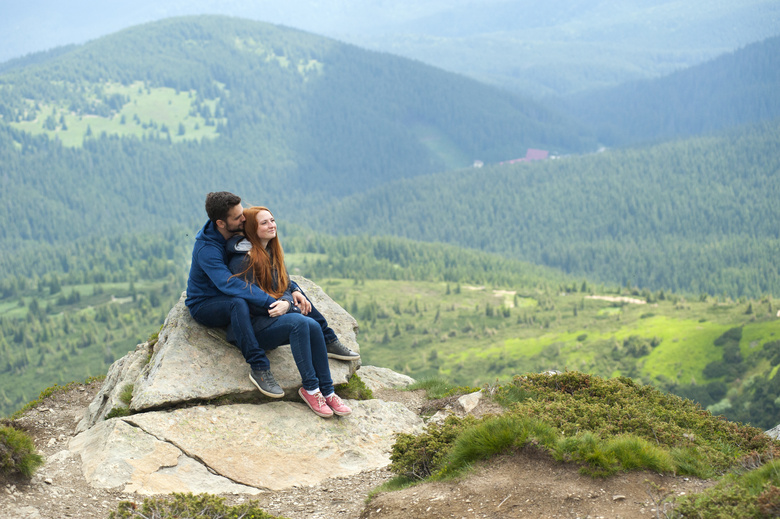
(301, 302)
(278, 307)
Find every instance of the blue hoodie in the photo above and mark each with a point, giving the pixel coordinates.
(210, 276)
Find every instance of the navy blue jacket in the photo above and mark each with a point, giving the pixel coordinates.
(210, 276)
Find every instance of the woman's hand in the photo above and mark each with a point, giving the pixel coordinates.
(279, 307)
(301, 302)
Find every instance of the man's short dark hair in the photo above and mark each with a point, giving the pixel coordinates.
(219, 204)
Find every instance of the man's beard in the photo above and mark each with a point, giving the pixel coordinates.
(236, 230)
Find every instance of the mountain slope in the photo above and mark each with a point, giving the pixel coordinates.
(153, 117)
(693, 216)
(736, 88)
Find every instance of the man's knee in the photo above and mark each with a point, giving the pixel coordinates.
(239, 306)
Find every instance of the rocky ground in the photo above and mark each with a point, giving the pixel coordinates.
(528, 484)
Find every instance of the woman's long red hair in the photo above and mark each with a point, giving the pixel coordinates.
(260, 263)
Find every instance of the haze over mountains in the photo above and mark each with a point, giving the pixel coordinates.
(531, 46)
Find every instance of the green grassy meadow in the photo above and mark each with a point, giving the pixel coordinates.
(148, 112)
(483, 335)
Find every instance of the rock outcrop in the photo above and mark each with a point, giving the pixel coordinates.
(195, 423)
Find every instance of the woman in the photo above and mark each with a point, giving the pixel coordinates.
(259, 259)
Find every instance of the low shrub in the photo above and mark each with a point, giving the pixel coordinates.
(179, 505)
(17, 453)
(355, 389)
(494, 435)
(575, 402)
(604, 425)
(417, 457)
(750, 495)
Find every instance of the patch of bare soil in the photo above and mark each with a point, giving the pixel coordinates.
(528, 484)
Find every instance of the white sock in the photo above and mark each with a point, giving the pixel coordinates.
(330, 395)
(312, 391)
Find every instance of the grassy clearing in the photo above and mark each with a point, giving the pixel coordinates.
(482, 335)
(159, 112)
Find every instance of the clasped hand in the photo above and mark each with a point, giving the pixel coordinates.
(281, 307)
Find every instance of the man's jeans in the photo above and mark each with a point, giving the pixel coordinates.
(327, 332)
(308, 348)
(233, 313)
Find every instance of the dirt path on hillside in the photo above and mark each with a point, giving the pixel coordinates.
(528, 484)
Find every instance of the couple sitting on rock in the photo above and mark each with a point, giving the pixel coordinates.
(238, 280)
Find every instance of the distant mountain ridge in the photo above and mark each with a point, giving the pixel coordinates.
(534, 47)
(737, 88)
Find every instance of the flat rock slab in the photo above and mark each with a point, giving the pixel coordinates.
(240, 448)
(115, 454)
(376, 378)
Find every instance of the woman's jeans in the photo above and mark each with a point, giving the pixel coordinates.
(308, 348)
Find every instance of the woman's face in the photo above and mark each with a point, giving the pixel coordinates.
(266, 227)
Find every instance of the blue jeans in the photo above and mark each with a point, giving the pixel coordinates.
(233, 313)
(308, 348)
(260, 320)
(327, 331)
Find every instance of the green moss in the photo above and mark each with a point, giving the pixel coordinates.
(127, 394)
(118, 411)
(437, 387)
(752, 494)
(179, 505)
(355, 389)
(17, 453)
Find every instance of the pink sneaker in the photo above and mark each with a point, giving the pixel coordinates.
(338, 406)
(316, 403)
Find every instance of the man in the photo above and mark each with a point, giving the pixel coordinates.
(216, 299)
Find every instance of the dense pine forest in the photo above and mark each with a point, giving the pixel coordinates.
(369, 161)
(424, 309)
(697, 215)
(289, 114)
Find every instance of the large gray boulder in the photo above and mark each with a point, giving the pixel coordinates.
(191, 362)
(122, 374)
(197, 424)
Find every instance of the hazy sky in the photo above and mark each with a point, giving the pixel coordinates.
(34, 25)
(539, 47)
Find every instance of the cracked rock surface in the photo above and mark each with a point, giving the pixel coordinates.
(242, 448)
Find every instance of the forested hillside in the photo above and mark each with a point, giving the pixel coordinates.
(696, 216)
(73, 309)
(423, 309)
(737, 88)
(208, 103)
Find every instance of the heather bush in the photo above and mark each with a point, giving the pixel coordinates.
(17, 453)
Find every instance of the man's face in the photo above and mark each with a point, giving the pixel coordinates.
(235, 220)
